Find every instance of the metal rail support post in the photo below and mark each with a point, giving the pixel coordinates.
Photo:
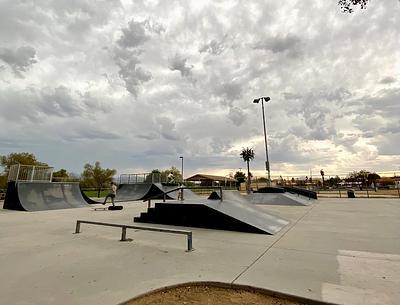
(189, 242)
(123, 234)
(78, 227)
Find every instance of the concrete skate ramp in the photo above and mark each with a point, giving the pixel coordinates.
(302, 192)
(140, 191)
(233, 215)
(279, 199)
(36, 196)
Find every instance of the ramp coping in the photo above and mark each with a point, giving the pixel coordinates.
(181, 188)
(124, 227)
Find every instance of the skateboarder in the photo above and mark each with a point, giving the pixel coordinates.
(171, 177)
(111, 194)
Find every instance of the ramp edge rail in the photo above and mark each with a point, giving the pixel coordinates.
(124, 227)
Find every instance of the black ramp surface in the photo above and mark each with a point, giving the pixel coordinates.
(34, 196)
(300, 191)
(214, 214)
(237, 206)
(11, 202)
(279, 199)
(138, 191)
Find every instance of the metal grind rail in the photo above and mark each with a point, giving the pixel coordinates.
(124, 227)
(181, 188)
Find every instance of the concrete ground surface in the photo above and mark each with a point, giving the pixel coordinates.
(345, 251)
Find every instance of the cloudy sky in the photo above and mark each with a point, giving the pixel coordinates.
(136, 84)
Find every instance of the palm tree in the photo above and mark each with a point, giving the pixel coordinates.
(323, 177)
(247, 155)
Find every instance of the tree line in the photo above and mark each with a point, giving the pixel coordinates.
(93, 176)
(96, 177)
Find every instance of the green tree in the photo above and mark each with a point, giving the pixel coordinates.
(16, 158)
(97, 177)
(372, 177)
(19, 158)
(240, 177)
(247, 155)
(365, 177)
(334, 181)
(161, 176)
(60, 175)
(3, 181)
(155, 176)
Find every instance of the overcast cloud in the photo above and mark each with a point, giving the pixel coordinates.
(136, 84)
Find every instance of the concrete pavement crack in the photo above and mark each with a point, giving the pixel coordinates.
(270, 246)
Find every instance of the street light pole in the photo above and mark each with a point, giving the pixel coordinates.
(267, 167)
(181, 157)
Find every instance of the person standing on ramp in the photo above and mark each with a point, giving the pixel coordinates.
(111, 194)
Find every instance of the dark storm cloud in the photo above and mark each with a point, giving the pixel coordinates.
(388, 80)
(292, 96)
(89, 133)
(6, 143)
(153, 26)
(213, 47)
(59, 102)
(19, 106)
(132, 74)
(388, 144)
(285, 147)
(319, 109)
(148, 136)
(133, 36)
(127, 53)
(179, 63)
(20, 60)
(236, 115)
(280, 44)
(230, 91)
(167, 129)
(384, 103)
(220, 145)
(379, 114)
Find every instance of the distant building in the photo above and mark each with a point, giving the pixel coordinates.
(211, 180)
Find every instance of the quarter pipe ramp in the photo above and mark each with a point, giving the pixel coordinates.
(38, 196)
(140, 191)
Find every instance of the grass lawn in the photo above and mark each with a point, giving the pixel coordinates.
(94, 193)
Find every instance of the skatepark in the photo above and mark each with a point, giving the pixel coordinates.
(338, 251)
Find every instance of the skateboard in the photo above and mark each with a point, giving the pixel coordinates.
(110, 208)
(114, 208)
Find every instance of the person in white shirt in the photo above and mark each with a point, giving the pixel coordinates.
(111, 194)
(171, 177)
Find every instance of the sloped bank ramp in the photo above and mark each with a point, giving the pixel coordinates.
(41, 196)
(280, 199)
(228, 214)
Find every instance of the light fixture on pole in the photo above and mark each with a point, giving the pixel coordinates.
(256, 101)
